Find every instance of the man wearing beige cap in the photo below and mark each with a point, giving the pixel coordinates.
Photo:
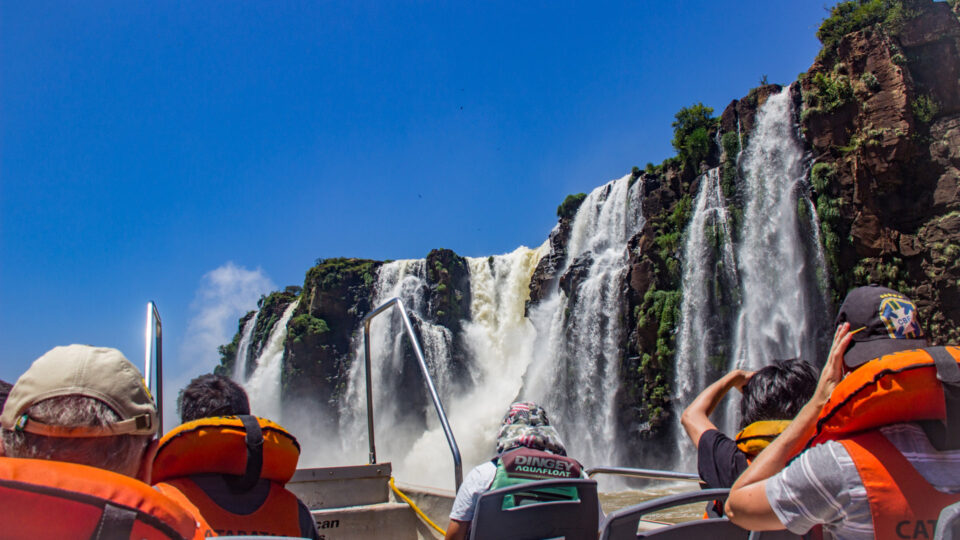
(85, 405)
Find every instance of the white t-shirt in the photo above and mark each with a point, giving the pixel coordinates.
(477, 482)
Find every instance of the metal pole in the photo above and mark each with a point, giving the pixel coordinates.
(148, 345)
(366, 367)
(451, 441)
(457, 463)
(650, 474)
(154, 342)
(159, 368)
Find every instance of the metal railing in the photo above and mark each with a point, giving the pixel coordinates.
(154, 342)
(454, 449)
(649, 474)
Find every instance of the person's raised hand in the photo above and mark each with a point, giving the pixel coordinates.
(832, 372)
(741, 378)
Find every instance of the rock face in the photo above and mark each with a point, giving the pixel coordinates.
(881, 118)
(546, 275)
(449, 301)
(336, 296)
(449, 279)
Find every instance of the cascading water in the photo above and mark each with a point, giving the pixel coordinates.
(578, 350)
(566, 354)
(709, 279)
(782, 299)
(393, 377)
(264, 385)
(771, 278)
(499, 342)
(243, 349)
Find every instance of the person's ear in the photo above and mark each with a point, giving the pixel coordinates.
(146, 464)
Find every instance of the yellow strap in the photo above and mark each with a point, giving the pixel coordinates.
(415, 509)
(758, 435)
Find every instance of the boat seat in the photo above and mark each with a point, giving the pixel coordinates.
(623, 524)
(948, 525)
(571, 519)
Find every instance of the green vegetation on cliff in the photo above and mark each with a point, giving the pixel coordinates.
(568, 208)
(691, 134)
(306, 325)
(847, 17)
(329, 273)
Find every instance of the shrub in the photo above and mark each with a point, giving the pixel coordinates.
(870, 81)
(728, 175)
(568, 208)
(830, 92)
(855, 15)
(924, 108)
(691, 134)
(306, 325)
(821, 175)
(730, 144)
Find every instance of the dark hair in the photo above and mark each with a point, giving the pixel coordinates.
(777, 392)
(211, 395)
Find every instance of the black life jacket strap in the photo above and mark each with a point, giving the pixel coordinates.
(254, 440)
(116, 523)
(945, 435)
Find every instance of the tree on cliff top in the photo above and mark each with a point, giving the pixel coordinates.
(691, 134)
(854, 15)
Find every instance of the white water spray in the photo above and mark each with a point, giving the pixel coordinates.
(781, 302)
(264, 385)
(499, 341)
(393, 377)
(709, 270)
(243, 349)
(578, 351)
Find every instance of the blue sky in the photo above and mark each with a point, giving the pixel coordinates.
(200, 153)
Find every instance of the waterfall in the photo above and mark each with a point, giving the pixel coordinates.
(746, 306)
(243, 349)
(395, 377)
(499, 341)
(264, 385)
(782, 300)
(709, 278)
(579, 344)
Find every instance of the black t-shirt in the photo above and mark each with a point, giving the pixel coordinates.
(719, 461)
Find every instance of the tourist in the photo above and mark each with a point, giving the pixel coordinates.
(211, 395)
(85, 417)
(887, 479)
(772, 396)
(525, 430)
(193, 464)
(81, 404)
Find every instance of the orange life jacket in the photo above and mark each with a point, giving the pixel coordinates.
(54, 499)
(902, 387)
(247, 450)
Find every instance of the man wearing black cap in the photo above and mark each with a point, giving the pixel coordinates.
(827, 484)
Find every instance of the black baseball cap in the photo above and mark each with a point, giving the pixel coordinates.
(883, 320)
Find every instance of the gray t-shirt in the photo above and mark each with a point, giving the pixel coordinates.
(477, 482)
(823, 487)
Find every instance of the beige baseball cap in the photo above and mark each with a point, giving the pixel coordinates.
(81, 370)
